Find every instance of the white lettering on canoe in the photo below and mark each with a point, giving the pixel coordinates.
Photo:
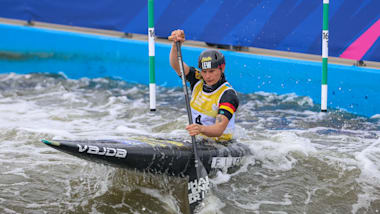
(103, 151)
(225, 162)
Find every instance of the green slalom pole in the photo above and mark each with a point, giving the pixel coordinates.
(325, 54)
(151, 39)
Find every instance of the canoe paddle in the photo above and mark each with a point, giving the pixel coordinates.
(198, 180)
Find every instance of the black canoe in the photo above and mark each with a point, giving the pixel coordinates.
(170, 157)
(153, 155)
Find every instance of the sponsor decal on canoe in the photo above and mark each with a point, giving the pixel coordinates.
(225, 162)
(105, 151)
(197, 189)
(158, 142)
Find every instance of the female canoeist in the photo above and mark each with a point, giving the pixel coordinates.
(213, 101)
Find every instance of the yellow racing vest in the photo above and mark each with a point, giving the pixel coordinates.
(205, 106)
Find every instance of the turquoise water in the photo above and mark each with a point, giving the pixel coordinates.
(304, 161)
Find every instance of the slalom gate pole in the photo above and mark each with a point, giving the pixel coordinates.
(325, 53)
(151, 39)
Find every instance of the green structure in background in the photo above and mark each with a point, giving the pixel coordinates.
(325, 54)
(151, 38)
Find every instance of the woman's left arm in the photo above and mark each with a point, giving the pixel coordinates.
(215, 130)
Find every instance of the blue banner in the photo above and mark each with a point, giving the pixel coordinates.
(287, 25)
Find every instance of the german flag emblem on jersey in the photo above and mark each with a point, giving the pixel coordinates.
(227, 106)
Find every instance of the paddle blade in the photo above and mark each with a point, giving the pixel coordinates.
(198, 185)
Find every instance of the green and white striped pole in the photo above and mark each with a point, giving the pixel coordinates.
(151, 40)
(325, 54)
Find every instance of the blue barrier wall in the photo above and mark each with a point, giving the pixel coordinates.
(27, 49)
(288, 25)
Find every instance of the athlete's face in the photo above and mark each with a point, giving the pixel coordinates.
(211, 75)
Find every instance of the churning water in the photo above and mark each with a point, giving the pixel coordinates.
(304, 161)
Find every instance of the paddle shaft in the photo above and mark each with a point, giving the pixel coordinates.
(181, 67)
(184, 85)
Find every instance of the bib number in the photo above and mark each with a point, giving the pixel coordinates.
(198, 120)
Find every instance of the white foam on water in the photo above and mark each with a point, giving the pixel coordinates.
(19, 172)
(368, 162)
(8, 211)
(168, 200)
(212, 205)
(220, 178)
(278, 151)
(125, 129)
(70, 109)
(255, 205)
